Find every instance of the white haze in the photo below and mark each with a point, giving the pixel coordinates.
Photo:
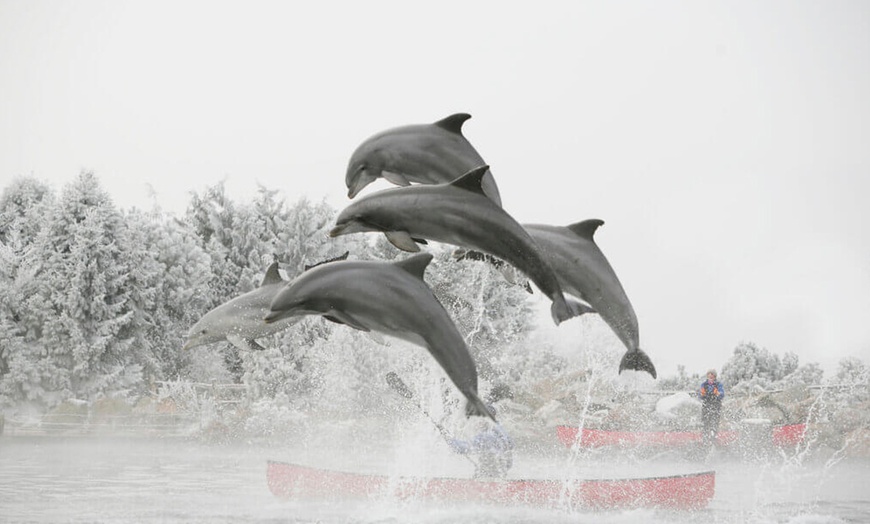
(46, 480)
(724, 143)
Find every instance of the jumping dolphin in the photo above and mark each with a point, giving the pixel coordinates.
(390, 298)
(584, 272)
(422, 153)
(457, 213)
(240, 320)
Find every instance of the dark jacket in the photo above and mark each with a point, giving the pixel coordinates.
(712, 393)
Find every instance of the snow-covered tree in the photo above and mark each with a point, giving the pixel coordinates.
(682, 381)
(751, 365)
(853, 379)
(23, 206)
(79, 316)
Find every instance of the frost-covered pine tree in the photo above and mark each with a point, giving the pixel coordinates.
(751, 366)
(81, 302)
(24, 205)
(169, 289)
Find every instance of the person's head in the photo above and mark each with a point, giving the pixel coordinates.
(711, 375)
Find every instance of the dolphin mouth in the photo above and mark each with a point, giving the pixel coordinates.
(352, 226)
(275, 316)
(337, 230)
(192, 341)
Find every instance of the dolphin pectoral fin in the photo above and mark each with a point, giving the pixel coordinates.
(395, 178)
(638, 361)
(580, 308)
(565, 309)
(402, 240)
(340, 317)
(244, 343)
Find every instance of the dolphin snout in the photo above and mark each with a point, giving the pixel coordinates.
(360, 178)
(336, 231)
(350, 226)
(193, 342)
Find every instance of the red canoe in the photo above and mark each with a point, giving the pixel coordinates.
(782, 436)
(692, 491)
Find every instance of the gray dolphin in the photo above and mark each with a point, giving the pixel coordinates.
(422, 153)
(389, 298)
(240, 320)
(457, 213)
(585, 272)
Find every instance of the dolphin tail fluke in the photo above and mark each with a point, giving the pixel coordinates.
(562, 310)
(638, 361)
(476, 407)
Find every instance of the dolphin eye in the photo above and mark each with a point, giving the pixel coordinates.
(204, 331)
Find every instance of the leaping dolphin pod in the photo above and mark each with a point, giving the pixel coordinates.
(457, 213)
(433, 153)
(240, 320)
(390, 298)
(584, 272)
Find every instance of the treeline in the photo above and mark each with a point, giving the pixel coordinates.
(95, 300)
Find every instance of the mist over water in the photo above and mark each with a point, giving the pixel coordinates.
(172, 480)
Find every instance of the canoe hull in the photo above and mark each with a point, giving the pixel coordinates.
(692, 491)
(782, 436)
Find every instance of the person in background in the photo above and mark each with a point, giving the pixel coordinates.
(711, 394)
(491, 449)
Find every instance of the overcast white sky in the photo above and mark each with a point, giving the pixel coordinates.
(725, 144)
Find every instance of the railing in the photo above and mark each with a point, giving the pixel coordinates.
(75, 424)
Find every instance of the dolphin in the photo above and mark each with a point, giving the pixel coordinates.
(240, 320)
(457, 213)
(584, 272)
(421, 153)
(386, 297)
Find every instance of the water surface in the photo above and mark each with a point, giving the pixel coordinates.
(127, 480)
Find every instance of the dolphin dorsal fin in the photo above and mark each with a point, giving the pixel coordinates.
(416, 265)
(473, 180)
(586, 229)
(453, 123)
(272, 276)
